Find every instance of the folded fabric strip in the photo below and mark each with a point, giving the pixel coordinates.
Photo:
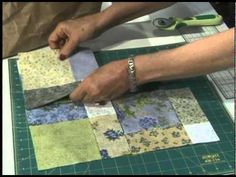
(39, 97)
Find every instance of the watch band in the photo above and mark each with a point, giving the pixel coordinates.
(132, 74)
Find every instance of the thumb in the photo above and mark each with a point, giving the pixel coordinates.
(68, 48)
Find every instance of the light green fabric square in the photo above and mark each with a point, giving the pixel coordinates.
(64, 143)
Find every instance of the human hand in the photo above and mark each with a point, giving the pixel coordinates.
(68, 34)
(106, 83)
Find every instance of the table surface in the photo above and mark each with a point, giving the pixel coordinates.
(137, 33)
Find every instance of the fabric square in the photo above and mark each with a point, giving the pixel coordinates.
(56, 112)
(143, 111)
(94, 110)
(64, 143)
(157, 138)
(83, 63)
(39, 97)
(186, 106)
(42, 68)
(201, 133)
(110, 136)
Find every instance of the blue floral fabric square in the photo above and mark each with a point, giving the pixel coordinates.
(144, 111)
(56, 112)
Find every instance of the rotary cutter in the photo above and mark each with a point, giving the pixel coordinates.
(174, 23)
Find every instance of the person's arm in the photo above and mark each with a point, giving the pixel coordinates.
(198, 58)
(121, 12)
(68, 34)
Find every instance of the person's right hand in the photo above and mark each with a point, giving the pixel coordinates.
(68, 34)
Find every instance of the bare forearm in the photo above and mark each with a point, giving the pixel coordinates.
(122, 12)
(201, 57)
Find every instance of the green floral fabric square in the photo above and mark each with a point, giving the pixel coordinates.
(64, 143)
(186, 106)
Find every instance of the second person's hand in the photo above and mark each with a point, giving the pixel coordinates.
(68, 34)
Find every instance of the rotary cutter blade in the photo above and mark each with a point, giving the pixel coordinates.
(163, 22)
(173, 23)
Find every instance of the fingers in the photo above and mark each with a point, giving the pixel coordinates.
(101, 102)
(78, 94)
(55, 38)
(53, 41)
(69, 46)
(64, 39)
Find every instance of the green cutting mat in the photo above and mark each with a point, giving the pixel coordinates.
(210, 158)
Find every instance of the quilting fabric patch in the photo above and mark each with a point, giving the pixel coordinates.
(83, 63)
(94, 110)
(186, 106)
(64, 143)
(56, 112)
(157, 138)
(143, 111)
(66, 132)
(39, 97)
(42, 69)
(110, 136)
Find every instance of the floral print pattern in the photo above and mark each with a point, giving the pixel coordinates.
(104, 154)
(56, 112)
(147, 122)
(157, 138)
(110, 136)
(144, 111)
(42, 69)
(61, 133)
(186, 106)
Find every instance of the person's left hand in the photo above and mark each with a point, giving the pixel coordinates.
(106, 83)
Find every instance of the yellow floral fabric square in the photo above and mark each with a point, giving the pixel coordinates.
(64, 143)
(110, 136)
(42, 69)
(157, 138)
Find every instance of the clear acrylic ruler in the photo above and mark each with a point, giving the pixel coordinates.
(224, 80)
